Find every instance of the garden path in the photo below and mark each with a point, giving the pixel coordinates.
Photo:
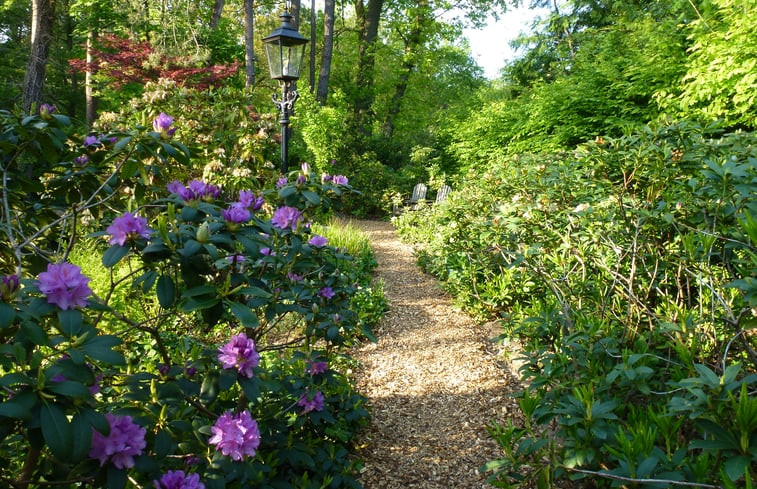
(433, 381)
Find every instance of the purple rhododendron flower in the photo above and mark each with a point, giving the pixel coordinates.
(301, 179)
(340, 180)
(95, 387)
(64, 285)
(267, 252)
(325, 178)
(236, 214)
(239, 353)
(58, 378)
(128, 227)
(81, 160)
(91, 141)
(248, 200)
(318, 241)
(281, 182)
(314, 404)
(286, 217)
(195, 190)
(177, 479)
(326, 293)
(46, 109)
(9, 285)
(125, 441)
(294, 277)
(317, 367)
(236, 435)
(162, 124)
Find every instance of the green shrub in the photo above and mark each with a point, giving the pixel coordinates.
(626, 269)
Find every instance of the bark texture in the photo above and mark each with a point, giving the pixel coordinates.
(43, 12)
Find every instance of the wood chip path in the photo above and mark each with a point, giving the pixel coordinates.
(433, 381)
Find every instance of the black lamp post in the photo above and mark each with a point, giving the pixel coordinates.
(285, 49)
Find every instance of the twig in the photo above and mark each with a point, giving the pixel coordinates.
(643, 481)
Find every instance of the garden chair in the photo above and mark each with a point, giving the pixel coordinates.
(418, 197)
(442, 193)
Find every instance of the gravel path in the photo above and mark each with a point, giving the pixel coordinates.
(432, 381)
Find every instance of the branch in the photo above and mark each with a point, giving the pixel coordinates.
(643, 481)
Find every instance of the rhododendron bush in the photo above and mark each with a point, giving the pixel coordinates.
(208, 357)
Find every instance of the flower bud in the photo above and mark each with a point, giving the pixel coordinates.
(203, 233)
(9, 286)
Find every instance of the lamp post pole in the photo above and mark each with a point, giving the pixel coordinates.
(285, 49)
(285, 106)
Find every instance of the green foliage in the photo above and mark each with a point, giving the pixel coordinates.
(625, 268)
(721, 79)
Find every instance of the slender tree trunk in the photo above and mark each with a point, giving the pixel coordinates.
(368, 17)
(249, 43)
(41, 36)
(413, 44)
(73, 76)
(216, 15)
(328, 49)
(294, 9)
(89, 89)
(312, 45)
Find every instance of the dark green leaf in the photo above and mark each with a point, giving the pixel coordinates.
(56, 430)
(7, 315)
(166, 291)
(81, 437)
(113, 255)
(70, 322)
(245, 315)
(19, 406)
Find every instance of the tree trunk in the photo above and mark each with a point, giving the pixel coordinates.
(89, 90)
(328, 49)
(294, 9)
(413, 44)
(41, 37)
(249, 43)
(368, 17)
(216, 15)
(73, 75)
(312, 45)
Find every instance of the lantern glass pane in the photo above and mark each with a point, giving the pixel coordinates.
(274, 53)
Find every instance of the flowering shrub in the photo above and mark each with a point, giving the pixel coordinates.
(212, 368)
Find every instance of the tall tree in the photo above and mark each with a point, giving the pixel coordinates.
(249, 43)
(294, 9)
(368, 17)
(312, 45)
(413, 42)
(43, 12)
(328, 49)
(215, 16)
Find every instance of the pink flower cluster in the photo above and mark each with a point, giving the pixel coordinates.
(236, 435)
(125, 441)
(64, 285)
(128, 227)
(239, 353)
